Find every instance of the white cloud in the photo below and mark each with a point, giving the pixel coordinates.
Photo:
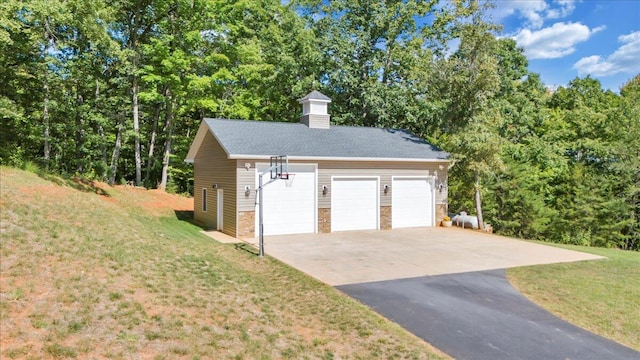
(565, 9)
(530, 10)
(555, 41)
(626, 59)
(534, 12)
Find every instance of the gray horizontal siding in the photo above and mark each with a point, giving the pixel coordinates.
(316, 121)
(385, 170)
(211, 166)
(326, 169)
(246, 177)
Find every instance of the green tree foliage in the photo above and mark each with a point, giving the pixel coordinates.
(571, 165)
(625, 168)
(116, 91)
(471, 119)
(377, 57)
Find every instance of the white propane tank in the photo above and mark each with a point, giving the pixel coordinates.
(465, 221)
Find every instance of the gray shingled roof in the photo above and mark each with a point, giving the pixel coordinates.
(242, 138)
(315, 95)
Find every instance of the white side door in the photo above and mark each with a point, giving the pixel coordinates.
(220, 210)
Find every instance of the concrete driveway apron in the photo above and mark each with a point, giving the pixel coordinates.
(364, 256)
(448, 286)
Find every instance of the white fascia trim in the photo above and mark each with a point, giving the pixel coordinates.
(335, 158)
(431, 178)
(197, 142)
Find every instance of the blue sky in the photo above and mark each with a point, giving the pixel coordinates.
(564, 39)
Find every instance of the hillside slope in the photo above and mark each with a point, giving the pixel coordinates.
(92, 271)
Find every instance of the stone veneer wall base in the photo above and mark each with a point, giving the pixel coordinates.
(385, 218)
(247, 224)
(324, 220)
(441, 212)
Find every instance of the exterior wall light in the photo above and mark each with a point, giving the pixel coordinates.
(386, 188)
(325, 189)
(215, 186)
(247, 191)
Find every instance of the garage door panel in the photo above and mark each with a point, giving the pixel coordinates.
(289, 210)
(412, 203)
(354, 204)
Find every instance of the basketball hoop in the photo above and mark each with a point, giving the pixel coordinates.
(288, 178)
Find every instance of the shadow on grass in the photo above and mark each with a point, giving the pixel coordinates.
(78, 183)
(247, 248)
(87, 186)
(188, 216)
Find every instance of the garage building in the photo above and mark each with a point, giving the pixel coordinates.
(341, 177)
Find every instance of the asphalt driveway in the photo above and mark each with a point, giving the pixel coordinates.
(480, 316)
(448, 286)
(364, 256)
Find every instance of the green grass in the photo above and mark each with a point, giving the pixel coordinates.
(602, 296)
(89, 273)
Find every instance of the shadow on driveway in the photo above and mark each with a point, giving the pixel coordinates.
(479, 315)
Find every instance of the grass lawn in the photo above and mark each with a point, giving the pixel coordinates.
(602, 296)
(92, 271)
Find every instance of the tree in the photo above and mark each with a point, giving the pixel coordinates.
(374, 54)
(270, 60)
(588, 194)
(136, 26)
(471, 120)
(29, 43)
(627, 166)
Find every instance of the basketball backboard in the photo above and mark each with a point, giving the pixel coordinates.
(279, 166)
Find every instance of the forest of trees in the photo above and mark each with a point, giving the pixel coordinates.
(115, 90)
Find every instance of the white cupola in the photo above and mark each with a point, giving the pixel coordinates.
(314, 110)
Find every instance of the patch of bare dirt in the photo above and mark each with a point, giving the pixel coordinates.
(307, 333)
(50, 191)
(162, 200)
(156, 202)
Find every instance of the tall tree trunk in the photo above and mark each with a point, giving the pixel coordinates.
(48, 43)
(167, 148)
(103, 148)
(479, 203)
(116, 149)
(80, 155)
(45, 120)
(136, 129)
(170, 104)
(364, 112)
(152, 143)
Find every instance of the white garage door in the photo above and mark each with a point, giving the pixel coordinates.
(354, 204)
(289, 210)
(412, 202)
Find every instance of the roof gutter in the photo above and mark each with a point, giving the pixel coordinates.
(335, 158)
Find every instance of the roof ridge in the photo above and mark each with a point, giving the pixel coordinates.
(253, 121)
(299, 123)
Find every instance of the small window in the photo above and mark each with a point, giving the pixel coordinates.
(204, 200)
